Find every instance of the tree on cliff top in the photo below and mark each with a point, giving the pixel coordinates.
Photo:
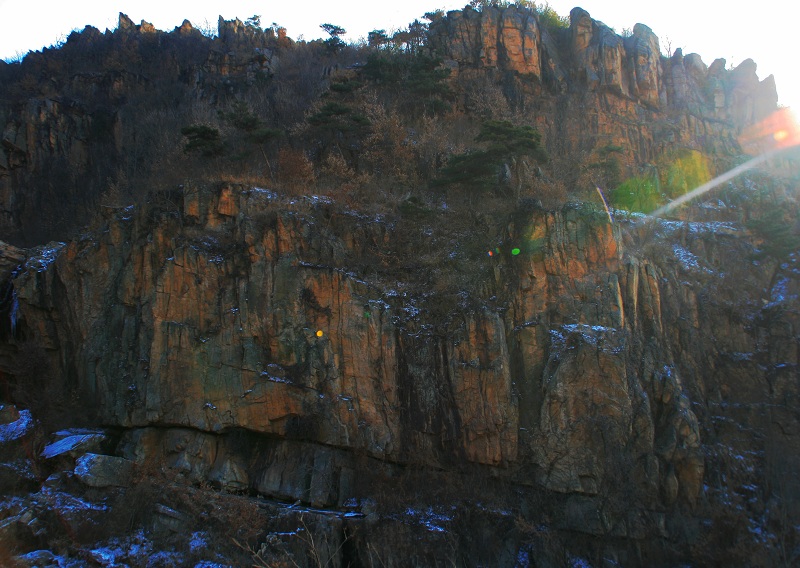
(334, 43)
(254, 131)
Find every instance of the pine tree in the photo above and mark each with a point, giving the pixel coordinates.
(505, 147)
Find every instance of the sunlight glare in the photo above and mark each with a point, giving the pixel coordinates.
(776, 133)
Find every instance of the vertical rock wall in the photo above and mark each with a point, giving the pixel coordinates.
(587, 87)
(234, 314)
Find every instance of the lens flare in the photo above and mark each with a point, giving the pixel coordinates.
(776, 133)
(779, 130)
(320, 333)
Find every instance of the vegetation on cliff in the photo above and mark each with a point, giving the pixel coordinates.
(117, 109)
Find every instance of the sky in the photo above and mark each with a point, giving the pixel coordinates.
(762, 30)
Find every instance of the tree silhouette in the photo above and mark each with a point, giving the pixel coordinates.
(253, 128)
(204, 139)
(377, 38)
(334, 43)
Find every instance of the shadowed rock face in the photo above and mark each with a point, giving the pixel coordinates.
(595, 363)
(250, 341)
(231, 313)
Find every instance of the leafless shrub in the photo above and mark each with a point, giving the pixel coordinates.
(295, 171)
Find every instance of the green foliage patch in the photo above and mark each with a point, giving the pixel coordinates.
(551, 19)
(678, 175)
(685, 171)
(637, 194)
(336, 116)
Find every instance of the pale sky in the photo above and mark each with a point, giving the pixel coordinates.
(762, 31)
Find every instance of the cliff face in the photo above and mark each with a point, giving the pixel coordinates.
(272, 345)
(106, 108)
(111, 110)
(231, 312)
(590, 56)
(623, 377)
(599, 88)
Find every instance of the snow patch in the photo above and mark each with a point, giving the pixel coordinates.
(716, 227)
(318, 199)
(430, 519)
(265, 193)
(780, 292)
(69, 443)
(592, 334)
(272, 378)
(687, 259)
(44, 256)
(66, 503)
(17, 429)
(198, 541)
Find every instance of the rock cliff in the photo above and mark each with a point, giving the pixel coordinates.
(430, 379)
(596, 88)
(589, 57)
(584, 364)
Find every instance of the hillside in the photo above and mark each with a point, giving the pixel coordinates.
(304, 304)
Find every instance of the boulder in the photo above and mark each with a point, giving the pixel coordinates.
(97, 470)
(39, 559)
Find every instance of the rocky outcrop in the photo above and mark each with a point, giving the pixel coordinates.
(237, 338)
(599, 54)
(492, 37)
(77, 125)
(98, 470)
(11, 259)
(614, 374)
(243, 316)
(584, 87)
(645, 54)
(513, 39)
(620, 91)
